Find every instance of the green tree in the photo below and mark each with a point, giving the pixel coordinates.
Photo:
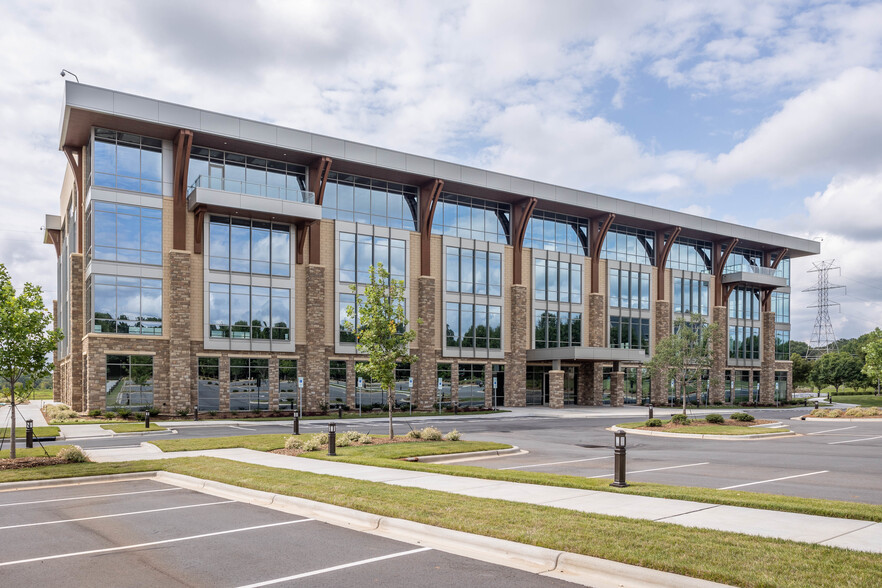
(835, 369)
(686, 354)
(25, 342)
(381, 331)
(873, 361)
(802, 370)
(800, 348)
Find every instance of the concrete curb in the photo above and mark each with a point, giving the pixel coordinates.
(138, 434)
(838, 419)
(697, 436)
(571, 567)
(467, 455)
(77, 481)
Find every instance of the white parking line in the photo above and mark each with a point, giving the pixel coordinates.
(335, 568)
(150, 544)
(832, 430)
(855, 440)
(110, 516)
(539, 465)
(242, 428)
(688, 465)
(773, 480)
(88, 497)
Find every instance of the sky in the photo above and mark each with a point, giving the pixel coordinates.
(767, 114)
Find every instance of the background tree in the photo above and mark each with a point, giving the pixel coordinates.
(873, 361)
(835, 369)
(800, 348)
(685, 355)
(802, 370)
(382, 331)
(25, 342)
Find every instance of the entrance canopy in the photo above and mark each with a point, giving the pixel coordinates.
(592, 354)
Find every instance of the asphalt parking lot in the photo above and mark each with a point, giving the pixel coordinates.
(143, 532)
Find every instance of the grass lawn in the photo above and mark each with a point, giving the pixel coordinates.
(132, 427)
(38, 432)
(35, 452)
(256, 442)
(870, 400)
(92, 422)
(701, 427)
(730, 558)
(41, 395)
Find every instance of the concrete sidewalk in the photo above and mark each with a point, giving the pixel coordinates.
(31, 410)
(844, 533)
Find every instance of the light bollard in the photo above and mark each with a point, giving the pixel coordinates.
(332, 438)
(650, 411)
(146, 419)
(816, 405)
(619, 469)
(195, 413)
(29, 433)
(296, 425)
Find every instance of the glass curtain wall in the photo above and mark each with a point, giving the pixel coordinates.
(208, 384)
(629, 244)
(471, 384)
(337, 383)
(124, 305)
(124, 233)
(129, 382)
(249, 246)
(249, 384)
(243, 174)
(127, 162)
(550, 231)
(472, 218)
(249, 312)
(375, 202)
(289, 393)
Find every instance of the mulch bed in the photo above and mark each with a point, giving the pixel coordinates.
(29, 462)
(376, 441)
(701, 422)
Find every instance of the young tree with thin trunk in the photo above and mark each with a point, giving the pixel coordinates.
(873, 362)
(25, 343)
(381, 331)
(684, 356)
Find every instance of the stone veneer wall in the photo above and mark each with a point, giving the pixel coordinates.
(767, 358)
(96, 347)
(658, 393)
(177, 324)
(719, 316)
(56, 361)
(516, 360)
(616, 388)
(596, 320)
(77, 396)
(315, 364)
(556, 389)
(425, 370)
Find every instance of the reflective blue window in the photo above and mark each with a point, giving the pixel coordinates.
(781, 306)
(744, 342)
(249, 246)
(473, 326)
(558, 281)
(126, 305)
(121, 232)
(557, 329)
(255, 176)
(359, 252)
(249, 312)
(629, 289)
(783, 269)
(691, 295)
(691, 255)
(782, 345)
(129, 381)
(628, 332)
(474, 272)
(743, 260)
(629, 244)
(127, 162)
(557, 232)
(366, 200)
(744, 303)
(472, 218)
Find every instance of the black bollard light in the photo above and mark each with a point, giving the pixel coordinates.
(339, 412)
(29, 433)
(146, 419)
(296, 425)
(455, 408)
(816, 405)
(650, 410)
(195, 413)
(332, 438)
(619, 473)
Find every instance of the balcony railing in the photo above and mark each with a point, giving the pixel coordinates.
(251, 189)
(751, 269)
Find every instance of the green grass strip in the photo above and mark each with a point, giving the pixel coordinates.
(20, 432)
(730, 558)
(860, 400)
(35, 452)
(132, 427)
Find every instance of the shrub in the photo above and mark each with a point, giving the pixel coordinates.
(124, 413)
(715, 419)
(453, 435)
(352, 435)
(343, 441)
(312, 444)
(153, 411)
(212, 413)
(321, 438)
(73, 454)
(139, 416)
(95, 413)
(430, 434)
(743, 417)
(680, 419)
(413, 434)
(183, 412)
(65, 415)
(653, 423)
(365, 439)
(293, 443)
(109, 414)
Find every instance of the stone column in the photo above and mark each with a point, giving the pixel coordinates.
(488, 385)
(750, 396)
(584, 381)
(178, 324)
(351, 383)
(789, 381)
(617, 389)
(556, 389)
(720, 345)
(94, 374)
(596, 320)
(77, 326)
(658, 390)
(56, 363)
(516, 368)
(454, 383)
(315, 364)
(223, 368)
(425, 371)
(767, 358)
(274, 382)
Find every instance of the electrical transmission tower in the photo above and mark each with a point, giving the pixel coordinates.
(823, 340)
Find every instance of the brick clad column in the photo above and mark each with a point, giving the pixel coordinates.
(77, 326)
(516, 369)
(274, 382)
(556, 389)
(767, 358)
(178, 325)
(223, 367)
(658, 392)
(56, 363)
(597, 384)
(584, 384)
(488, 385)
(315, 363)
(596, 320)
(94, 365)
(454, 383)
(425, 371)
(617, 389)
(720, 316)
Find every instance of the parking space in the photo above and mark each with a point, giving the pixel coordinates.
(142, 532)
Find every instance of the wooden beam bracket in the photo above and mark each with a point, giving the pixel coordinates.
(521, 212)
(599, 229)
(662, 260)
(182, 145)
(430, 194)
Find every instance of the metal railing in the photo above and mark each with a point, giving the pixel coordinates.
(252, 189)
(751, 269)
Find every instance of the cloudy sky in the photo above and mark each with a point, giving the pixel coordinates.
(764, 113)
